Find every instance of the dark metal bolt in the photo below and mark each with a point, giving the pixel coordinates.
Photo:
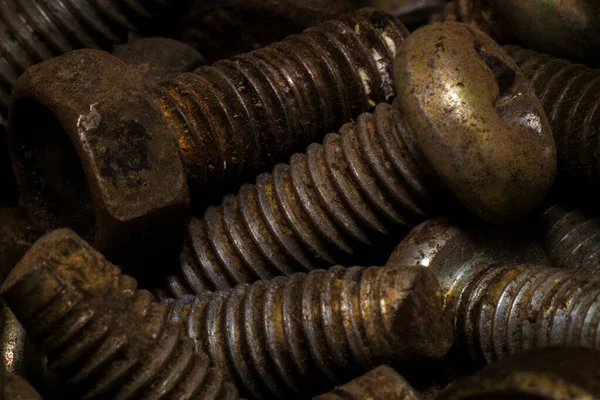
(501, 300)
(561, 373)
(17, 235)
(571, 240)
(103, 336)
(381, 175)
(382, 383)
(35, 30)
(570, 94)
(96, 150)
(301, 334)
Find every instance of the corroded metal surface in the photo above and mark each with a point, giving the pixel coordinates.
(571, 239)
(17, 233)
(476, 120)
(382, 383)
(562, 373)
(501, 299)
(103, 336)
(570, 94)
(301, 334)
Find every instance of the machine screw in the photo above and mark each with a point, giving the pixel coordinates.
(501, 299)
(302, 334)
(551, 374)
(121, 146)
(570, 94)
(103, 336)
(380, 175)
(571, 240)
(382, 383)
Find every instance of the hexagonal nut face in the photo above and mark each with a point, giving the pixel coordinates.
(476, 119)
(91, 151)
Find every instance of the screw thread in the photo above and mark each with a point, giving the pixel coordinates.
(323, 208)
(36, 30)
(102, 335)
(381, 383)
(508, 309)
(570, 95)
(571, 240)
(241, 116)
(308, 331)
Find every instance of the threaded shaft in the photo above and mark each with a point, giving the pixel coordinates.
(303, 333)
(241, 116)
(36, 30)
(102, 336)
(381, 383)
(507, 309)
(571, 240)
(570, 94)
(323, 208)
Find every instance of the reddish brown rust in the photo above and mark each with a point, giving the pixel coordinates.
(103, 336)
(373, 180)
(382, 383)
(301, 334)
(95, 150)
(501, 295)
(562, 373)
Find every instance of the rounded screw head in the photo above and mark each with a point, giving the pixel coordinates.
(93, 152)
(476, 120)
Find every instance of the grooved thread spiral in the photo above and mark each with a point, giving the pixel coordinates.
(381, 383)
(103, 337)
(571, 240)
(242, 115)
(323, 208)
(304, 333)
(509, 309)
(35, 30)
(570, 94)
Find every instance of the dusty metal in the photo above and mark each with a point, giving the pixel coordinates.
(96, 151)
(562, 373)
(17, 235)
(299, 335)
(570, 94)
(103, 336)
(373, 180)
(571, 239)
(159, 59)
(382, 383)
(223, 29)
(500, 292)
(476, 120)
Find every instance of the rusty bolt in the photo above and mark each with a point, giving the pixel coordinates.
(223, 29)
(477, 13)
(561, 373)
(159, 59)
(36, 30)
(103, 336)
(382, 383)
(501, 298)
(570, 239)
(570, 94)
(95, 150)
(374, 179)
(303, 333)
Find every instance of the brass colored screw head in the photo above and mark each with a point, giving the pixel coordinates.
(476, 120)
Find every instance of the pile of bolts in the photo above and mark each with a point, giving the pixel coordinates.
(299, 199)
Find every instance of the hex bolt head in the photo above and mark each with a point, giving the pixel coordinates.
(97, 150)
(501, 299)
(558, 373)
(301, 334)
(104, 338)
(381, 383)
(476, 120)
